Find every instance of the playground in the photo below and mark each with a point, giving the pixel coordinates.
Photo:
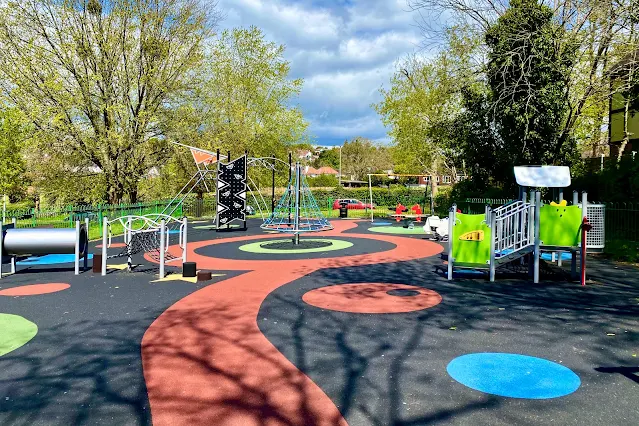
(298, 320)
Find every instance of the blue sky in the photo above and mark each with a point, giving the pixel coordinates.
(345, 50)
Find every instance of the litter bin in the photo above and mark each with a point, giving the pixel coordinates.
(343, 210)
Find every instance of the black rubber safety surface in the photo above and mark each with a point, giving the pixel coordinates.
(84, 365)
(390, 369)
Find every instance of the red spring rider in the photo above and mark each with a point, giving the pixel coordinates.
(417, 210)
(398, 211)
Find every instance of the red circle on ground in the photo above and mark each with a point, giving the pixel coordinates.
(371, 298)
(113, 245)
(34, 289)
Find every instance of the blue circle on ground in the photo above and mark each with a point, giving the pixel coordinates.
(513, 375)
(50, 259)
(382, 223)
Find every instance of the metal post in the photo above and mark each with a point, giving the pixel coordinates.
(493, 240)
(1, 244)
(162, 246)
(86, 249)
(105, 225)
(370, 193)
(4, 208)
(77, 247)
(584, 242)
(290, 177)
(273, 187)
(185, 239)
(296, 239)
(340, 166)
(537, 242)
(575, 198)
(561, 195)
(129, 238)
(451, 224)
(13, 258)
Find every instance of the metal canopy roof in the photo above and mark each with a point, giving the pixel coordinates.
(543, 176)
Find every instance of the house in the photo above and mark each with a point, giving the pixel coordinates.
(313, 172)
(304, 154)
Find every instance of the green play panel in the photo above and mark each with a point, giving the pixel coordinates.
(262, 246)
(560, 225)
(15, 331)
(398, 230)
(471, 239)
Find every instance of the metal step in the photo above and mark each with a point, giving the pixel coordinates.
(507, 258)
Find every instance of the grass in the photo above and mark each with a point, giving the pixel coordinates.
(622, 251)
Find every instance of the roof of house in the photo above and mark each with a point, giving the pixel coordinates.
(326, 170)
(308, 170)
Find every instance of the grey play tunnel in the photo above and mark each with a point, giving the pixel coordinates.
(39, 241)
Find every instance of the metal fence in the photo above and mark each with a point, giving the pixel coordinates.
(65, 217)
(622, 221)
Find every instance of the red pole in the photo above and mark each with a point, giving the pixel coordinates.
(585, 227)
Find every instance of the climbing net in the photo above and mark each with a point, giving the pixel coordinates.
(150, 235)
(297, 211)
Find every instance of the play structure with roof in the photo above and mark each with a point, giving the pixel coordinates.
(523, 229)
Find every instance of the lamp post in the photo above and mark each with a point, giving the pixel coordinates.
(340, 166)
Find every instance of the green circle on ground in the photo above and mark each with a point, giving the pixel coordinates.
(397, 230)
(258, 247)
(15, 331)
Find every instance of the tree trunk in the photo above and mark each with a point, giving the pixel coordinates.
(626, 135)
(133, 196)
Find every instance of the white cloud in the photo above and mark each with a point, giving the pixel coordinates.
(345, 50)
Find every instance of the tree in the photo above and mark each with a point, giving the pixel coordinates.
(602, 31)
(12, 164)
(96, 76)
(328, 157)
(243, 102)
(423, 94)
(245, 97)
(528, 72)
(361, 156)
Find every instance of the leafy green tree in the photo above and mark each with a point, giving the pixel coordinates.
(361, 156)
(422, 96)
(96, 76)
(328, 157)
(243, 104)
(528, 73)
(246, 95)
(12, 164)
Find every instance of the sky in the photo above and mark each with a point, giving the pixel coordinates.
(345, 50)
